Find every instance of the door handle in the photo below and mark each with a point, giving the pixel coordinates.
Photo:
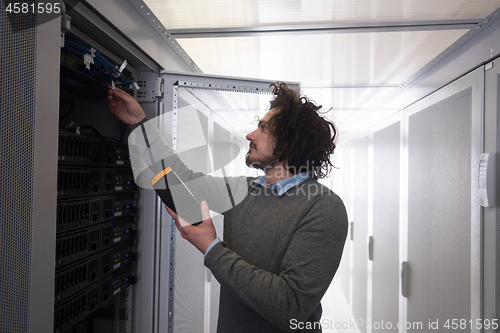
(370, 247)
(404, 279)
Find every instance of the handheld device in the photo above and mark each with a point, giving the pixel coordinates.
(168, 185)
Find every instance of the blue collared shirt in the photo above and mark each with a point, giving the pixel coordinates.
(282, 186)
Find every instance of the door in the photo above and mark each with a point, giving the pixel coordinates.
(444, 143)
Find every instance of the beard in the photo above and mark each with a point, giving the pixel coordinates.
(262, 163)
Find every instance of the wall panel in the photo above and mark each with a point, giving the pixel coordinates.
(385, 270)
(440, 146)
(360, 230)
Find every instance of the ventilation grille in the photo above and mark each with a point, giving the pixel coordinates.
(17, 115)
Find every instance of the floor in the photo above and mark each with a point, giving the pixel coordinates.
(337, 316)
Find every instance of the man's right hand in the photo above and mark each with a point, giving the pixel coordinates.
(124, 106)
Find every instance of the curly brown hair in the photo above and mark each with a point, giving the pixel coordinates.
(304, 138)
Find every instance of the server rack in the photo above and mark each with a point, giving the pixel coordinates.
(99, 275)
(95, 233)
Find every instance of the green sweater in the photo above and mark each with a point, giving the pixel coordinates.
(278, 258)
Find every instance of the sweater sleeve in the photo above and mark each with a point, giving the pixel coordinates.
(307, 269)
(150, 154)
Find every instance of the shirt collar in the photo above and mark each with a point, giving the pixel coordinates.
(283, 185)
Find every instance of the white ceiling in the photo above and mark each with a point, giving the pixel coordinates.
(189, 14)
(348, 55)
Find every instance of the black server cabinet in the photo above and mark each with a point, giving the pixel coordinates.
(69, 231)
(96, 252)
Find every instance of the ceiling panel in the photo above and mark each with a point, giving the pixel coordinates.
(356, 70)
(322, 59)
(193, 14)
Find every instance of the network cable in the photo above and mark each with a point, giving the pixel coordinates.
(96, 64)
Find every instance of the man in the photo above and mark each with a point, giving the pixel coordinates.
(283, 239)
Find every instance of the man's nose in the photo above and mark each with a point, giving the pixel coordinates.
(251, 136)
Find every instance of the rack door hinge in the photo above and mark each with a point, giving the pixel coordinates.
(65, 27)
(159, 87)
